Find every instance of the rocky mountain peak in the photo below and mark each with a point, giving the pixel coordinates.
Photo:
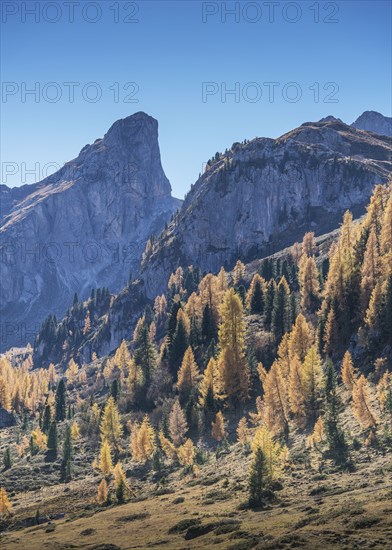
(372, 121)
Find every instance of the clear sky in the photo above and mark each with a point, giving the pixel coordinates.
(324, 58)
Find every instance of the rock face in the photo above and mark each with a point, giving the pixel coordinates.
(371, 121)
(263, 195)
(84, 227)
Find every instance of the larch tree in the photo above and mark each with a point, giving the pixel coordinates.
(370, 269)
(186, 453)
(301, 338)
(208, 383)
(5, 503)
(331, 333)
(143, 442)
(281, 309)
(75, 432)
(275, 401)
(272, 450)
(238, 272)
(309, 244)
(72, 371)
(188, 375)
(103, 492)
(361, 404)
(242, 431)
(309, 284)
(296, 395)
(232, 364)
(218, 431)
(348, 372)
(257, 483)
(5, 394)
(177, 423)
(111, 428)
(105, 459)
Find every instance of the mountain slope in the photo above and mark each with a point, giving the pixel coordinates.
(263, 195)
(83, 227)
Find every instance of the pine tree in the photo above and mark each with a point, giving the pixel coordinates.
(188, 375)
(111, 429)
(180, 341)
(5, 503)
(331, 334)
(47, 418)
(105, 459)
(232, 365)
(257, 480)
(145, 353)
(349, 374)
(60, 402)
(103, 492)
(52, 439)
(177, 424)
(66, 463)
(218, 427)
(7, 459)
(269, 303)
(333, 430)
(361, 404)
(281, 310)
(255, 295)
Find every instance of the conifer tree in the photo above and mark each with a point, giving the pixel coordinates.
(188, 375)
(5, 395)
(255, 295)
(300, 338)
(105, 459)
(370, 269)
(60, 402)
(75, 433)
(281, 310)
(7, 459)
(232, 365)
(143, 442)
(103, 492)
(111, 429)
(5, 503)
(186, 453)
(122, 489)
(269, 303)
(275, 401)
(52, 439)
(361, 404)
(218, 427)
(208, 384)
(167, 446)
(242, 431)
(145, 354)
(333, 430)
(177, 423)
(66, 463)
(309, 284)
(257, 479)
(349, 374)
(312, 377)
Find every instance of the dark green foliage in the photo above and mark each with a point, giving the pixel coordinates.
(145, 354)
(7, 459)
(257, 300)
(257, 480)
(46, 420)
(281, 313)
(269, 303)
(121, 491)
(333, 431)
(178, 347)
(115, 389)
(66, 463)
(52, 440)
(208, 327)
(60, 402)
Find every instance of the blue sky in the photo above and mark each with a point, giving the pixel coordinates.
(163, 52)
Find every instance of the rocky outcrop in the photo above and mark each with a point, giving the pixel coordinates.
(83, 227)
(371, 121)
(263, 195)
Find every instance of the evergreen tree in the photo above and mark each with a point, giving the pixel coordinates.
(333, 431)
(257, 480)
(188, 375)
(177, 424)
(66, 463)
(7, 460)
(60, 402)
(281, 310)
(52, 439)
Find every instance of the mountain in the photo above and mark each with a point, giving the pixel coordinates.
(83, 227)
(263, 195)
(371, 121)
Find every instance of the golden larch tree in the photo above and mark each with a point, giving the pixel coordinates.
(361, 404)
(105, 459)
(208, 382)
(103, 492)
(177, 423)
(218, 427)
(5, 503)
(111, 428)
(188, 375)
(348, 372)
